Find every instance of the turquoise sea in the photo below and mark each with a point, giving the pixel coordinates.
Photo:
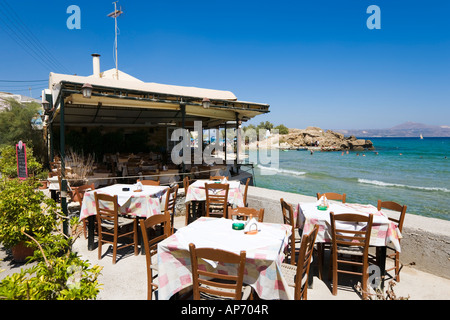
(409, 171)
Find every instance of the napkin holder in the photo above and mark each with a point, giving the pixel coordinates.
(251, 227)
(322, 204)
(138, 187)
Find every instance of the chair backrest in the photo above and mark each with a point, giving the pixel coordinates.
(216, 177)
(304, 263)
(104, 212)
(288, 218)
(171, 199)
(216, 197)
(288, 213)
(150, 182)
(216, 285)
(55, 165)
(344, 236)
(150, 225)
(394, 206)
(186, 184)
(333, 196)
(246, 212)
(81, 190)
(245, 192)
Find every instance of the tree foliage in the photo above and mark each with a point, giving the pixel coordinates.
(8, 161)
(58, 272)
(15, 125)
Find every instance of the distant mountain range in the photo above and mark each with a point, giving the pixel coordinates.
(407, 129)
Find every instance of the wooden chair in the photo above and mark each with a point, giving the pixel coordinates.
(217, 178)
(245, 192)
(150, 228)
(297, 276)
(188, 205)
(169, 208)
(216, 199)
(245, 212)
(150, 182)
(78, 196)
(401, 210)
(321, 245)
(70, 190)
(219, 285)
(110, 224)
(353, 243)
(288, 218)
(332, 196)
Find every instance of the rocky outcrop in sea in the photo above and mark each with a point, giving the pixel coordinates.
(317, 138)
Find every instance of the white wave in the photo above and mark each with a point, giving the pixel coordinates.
(279, 170)
(387, 184)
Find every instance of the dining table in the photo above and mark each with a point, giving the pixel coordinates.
(196, 195)
(197, 192)
(134, 203)
(265, 252)
(383, 233)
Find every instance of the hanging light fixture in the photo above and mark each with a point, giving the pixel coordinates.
(46, 106)
(86, 89)
(206, 103)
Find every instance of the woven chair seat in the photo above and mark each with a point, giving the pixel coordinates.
(353, 251)
(246, 291)
(109, 224)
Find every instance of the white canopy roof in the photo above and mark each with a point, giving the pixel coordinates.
(128, 82)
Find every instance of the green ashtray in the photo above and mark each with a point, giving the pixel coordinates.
(238, 226)
(322, 207)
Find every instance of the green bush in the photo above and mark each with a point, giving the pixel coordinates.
(8, 162)
(15, 125)
(60, 274)
(23, 209)
(26, 214)
(282, 129)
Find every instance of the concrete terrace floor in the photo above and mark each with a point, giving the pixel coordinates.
(127, 279)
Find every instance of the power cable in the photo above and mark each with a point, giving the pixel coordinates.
(43, 49)
(21, 36)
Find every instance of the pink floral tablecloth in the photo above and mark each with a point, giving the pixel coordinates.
(148, 202)
(383, 231)
(197, 192)
(265, 253)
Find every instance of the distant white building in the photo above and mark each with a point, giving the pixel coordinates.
(5, 96)
(36, 122)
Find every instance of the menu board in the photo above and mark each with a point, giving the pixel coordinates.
(21, 155)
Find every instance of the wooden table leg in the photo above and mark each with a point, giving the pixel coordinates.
(382, 263)
(91, 229)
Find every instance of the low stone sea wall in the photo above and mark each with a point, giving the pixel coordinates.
(425, 244)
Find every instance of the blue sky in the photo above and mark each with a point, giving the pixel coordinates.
(315, 62)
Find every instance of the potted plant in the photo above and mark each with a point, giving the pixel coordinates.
(24, 211)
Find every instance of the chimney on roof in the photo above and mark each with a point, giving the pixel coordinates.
(96, 64)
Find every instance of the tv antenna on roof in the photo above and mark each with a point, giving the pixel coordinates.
(114, 15)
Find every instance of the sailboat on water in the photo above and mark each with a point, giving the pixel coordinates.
(421, 136)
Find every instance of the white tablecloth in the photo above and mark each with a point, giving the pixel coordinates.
(265, 253)
(148, 202)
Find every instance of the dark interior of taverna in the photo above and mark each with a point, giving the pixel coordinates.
(110, 127)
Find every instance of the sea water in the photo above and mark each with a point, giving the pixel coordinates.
(410, 171)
